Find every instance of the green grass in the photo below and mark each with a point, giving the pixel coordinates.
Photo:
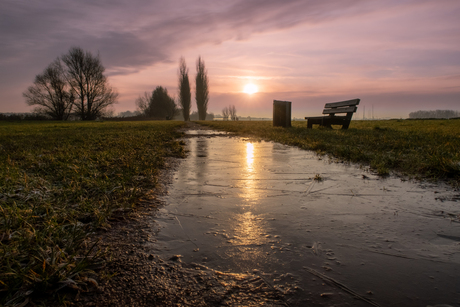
(61, 181)
(422, 149)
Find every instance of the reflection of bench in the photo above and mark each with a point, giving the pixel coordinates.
(349, 107)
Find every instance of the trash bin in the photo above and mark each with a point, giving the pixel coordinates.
(281, 113)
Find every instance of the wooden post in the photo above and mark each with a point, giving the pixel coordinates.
(281, 113)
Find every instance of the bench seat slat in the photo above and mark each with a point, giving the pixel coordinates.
(352, 102)
(339, 110)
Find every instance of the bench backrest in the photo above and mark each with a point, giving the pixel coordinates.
(348, 106)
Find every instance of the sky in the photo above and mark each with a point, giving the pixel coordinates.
(396, 56)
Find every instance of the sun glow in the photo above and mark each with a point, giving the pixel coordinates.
(250, 89)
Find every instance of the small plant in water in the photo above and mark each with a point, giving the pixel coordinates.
(318, 177)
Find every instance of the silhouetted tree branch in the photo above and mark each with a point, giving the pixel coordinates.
(201, 90)
(185, 96)
(51, 93)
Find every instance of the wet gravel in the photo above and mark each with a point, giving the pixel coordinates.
(143, 279)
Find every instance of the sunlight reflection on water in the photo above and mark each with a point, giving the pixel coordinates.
(250, 156)
(249, 189)
(249, 228)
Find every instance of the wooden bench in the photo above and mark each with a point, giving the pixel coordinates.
(349, 107)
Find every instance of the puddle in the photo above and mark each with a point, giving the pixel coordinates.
(310, 227)
(206, 133)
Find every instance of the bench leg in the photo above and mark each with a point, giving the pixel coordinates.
(309, 125)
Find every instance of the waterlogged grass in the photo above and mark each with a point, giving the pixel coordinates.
(417, 148)
(61, 181)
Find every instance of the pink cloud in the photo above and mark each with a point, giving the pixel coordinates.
(304, 50)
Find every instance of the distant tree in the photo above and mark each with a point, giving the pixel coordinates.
(85, 74)
(108, 113)
(232, 112)
(158, 105)
(225, 113)
(195, 116)
(128, 114)
(201, 89)
(51, 93)
(185, 95)
(142, 103)
(434, 114)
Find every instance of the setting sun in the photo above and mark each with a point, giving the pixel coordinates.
(250, 89)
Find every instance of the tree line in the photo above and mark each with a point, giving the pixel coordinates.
(160, 105)
(72, 84)
(434, 114)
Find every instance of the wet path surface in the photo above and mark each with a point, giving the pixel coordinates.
(321, 232)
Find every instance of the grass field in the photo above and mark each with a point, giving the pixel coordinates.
(61, 181)
(423, 149)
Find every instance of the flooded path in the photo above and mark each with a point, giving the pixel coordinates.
(322, 233)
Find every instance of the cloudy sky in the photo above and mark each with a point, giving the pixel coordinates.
(398, 56)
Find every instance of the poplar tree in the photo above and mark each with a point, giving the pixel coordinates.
(185, 95)
(202, 89)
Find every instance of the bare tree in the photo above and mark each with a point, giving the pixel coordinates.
(143, 103)
(51, 93)
(225, 113)
(232, 112)
(202, 89)
(85, 74)
(185, 95)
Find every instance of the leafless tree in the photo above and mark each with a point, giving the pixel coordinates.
(185, 96)
(85, 74)
(202, 89)
(51, 93)
(225, 113)
(232, 112)
(143, 103)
